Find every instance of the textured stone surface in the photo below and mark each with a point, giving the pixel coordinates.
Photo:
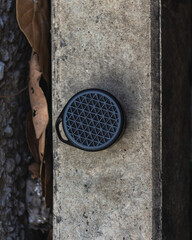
(14, 154)
(14, 55)
(108, 194)
(2, 69)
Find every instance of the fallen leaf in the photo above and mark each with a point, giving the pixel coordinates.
(34, 168)
(42, 166)
(33, 19)
(42, 146)
(32, 142)
(37, 98)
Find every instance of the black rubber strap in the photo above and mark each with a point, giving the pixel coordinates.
(59, 120)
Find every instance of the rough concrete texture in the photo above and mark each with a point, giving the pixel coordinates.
(107, 194)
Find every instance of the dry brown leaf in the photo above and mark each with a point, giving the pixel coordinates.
(42, 146)
(42, 166)
(46, 170)
(33, 19)
(34, 168)
(37, 98)
(32, 142)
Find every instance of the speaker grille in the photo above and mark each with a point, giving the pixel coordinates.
(92, 119)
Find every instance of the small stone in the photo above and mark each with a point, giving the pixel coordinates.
(22, 183)
(5, 18)
(10, 229)
(8, 131)
(10, 180)
(18, 171)
(2, 157)
(9, 5)
(7, 215)
(4, 123)
(1, 23)
(27, 158)
(3, 202)
(10, 120)
(4, 55)
(24, 171)
(18, 159)
(9, 238)
(2, 107)
(11, 37)
(22, 235)
(10, 144)
(21, 209)
(16, 76)
(1, 171)
(2, 69)
(4, 142)
(14, 105)
(10, 165)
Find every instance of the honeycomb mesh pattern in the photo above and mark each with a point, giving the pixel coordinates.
(92, 120)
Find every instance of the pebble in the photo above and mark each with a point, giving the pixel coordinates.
(10, 165)
(10, 144)
(1, 171)
(2, 157)
(38, 214)
(4, 142)
(4, 123)
(13, 167)
(2, 69)
(14, 105)
(1, 23)
(18, 159)
(22, 183)
(11, 37)
(10, 229)
(8, 131)
(10, 120)
(9, 5)
(18, 171)
(10, 180)
(21, 209)
(9, 238)
(8, 213)
(4, 55)
(17, 76)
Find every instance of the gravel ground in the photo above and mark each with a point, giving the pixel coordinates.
(16, 218)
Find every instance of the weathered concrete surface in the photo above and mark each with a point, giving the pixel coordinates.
(108, 194)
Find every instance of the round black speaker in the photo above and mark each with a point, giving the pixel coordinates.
(92, 120)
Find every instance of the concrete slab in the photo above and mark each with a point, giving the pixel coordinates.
(115, 193)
